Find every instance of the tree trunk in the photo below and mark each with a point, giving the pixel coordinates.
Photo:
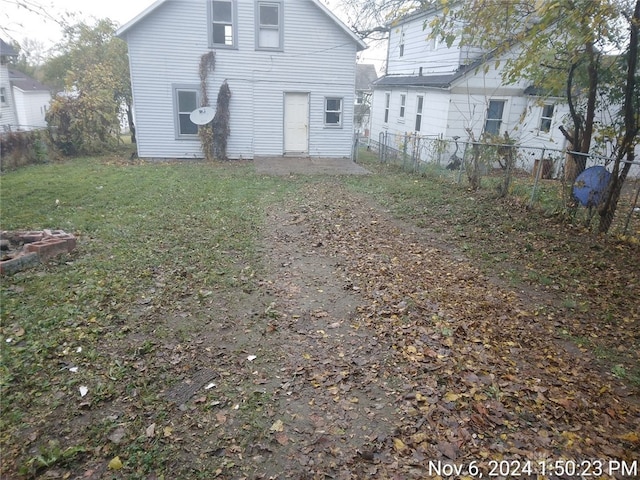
(609, 205)
(132, 127)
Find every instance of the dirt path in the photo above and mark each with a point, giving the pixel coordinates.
(383, 351)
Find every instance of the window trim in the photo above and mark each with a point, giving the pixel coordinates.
(419, 108)
(234, 25)
(176, 110)
(546, 119)
(280, 27)
(340, 112)
(499, 121)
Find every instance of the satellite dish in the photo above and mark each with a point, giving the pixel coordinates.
(590, 185)
(202, 115)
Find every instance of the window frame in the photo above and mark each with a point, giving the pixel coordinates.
(280, 27)
(387, 97)
(176, 89)
(403, 107)
(494, 121)
(234, 29)
(3, 95)
(546, 121)
(340, 112)
(419, 108)
(401, 44)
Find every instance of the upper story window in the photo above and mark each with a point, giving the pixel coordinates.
(494, 117)
(222, 22)
(546, 118)
(269, 35)
(401, 43)
(3, 95)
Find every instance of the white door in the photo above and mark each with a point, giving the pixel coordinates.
(296, 123)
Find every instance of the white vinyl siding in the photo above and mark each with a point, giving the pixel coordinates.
(269, 25)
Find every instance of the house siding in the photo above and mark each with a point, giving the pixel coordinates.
(8, 114)
(31, 108)
(318, 58)
(432, 56)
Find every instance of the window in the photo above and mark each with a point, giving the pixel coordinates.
(222, 20)
(185, 102)
(387, 100)
(333, 112)
(269, 25)
(402, 43)
(545, 119)
(3, 95)
(419, 113)
(494, 117)
(403, 104)
(359, 97)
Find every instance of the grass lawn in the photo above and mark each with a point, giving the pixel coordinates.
(162, 245)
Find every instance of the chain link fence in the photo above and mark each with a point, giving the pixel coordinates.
(537, 177)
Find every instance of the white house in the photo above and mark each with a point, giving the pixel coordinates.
(365, 76)
(437, 91)
(8, 115)
(32, 100)
(290, 66)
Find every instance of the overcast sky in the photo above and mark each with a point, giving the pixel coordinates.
(18, 23)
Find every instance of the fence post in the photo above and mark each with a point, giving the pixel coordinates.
(538, 174)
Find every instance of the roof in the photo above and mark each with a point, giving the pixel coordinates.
(365, 75)
(436, 81)
(7, 50)
(131, 23)
(25, 82)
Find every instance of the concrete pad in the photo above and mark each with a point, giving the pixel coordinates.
(307, 166)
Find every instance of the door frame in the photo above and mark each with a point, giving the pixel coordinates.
(284, 123)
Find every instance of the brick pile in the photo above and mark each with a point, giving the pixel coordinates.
(37, 246)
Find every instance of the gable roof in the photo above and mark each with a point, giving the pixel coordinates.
(24, 82)
(131, 23)
(365, 75)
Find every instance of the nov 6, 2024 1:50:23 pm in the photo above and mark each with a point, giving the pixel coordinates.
(563, 468)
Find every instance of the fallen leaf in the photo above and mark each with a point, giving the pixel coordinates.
(115, 464)
(399, 445)
(167, 431)
(83, 390)
(117, 435)
(150, 432)
(282, 438)
(277, 426)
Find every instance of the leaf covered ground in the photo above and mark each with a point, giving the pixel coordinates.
(327, 327)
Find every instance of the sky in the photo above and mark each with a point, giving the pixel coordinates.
(18, 23)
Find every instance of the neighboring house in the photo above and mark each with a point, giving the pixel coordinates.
(365, 76)
(443, 92)
(8, 115)
(32, 100)
(290, 66)
(23, 100)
